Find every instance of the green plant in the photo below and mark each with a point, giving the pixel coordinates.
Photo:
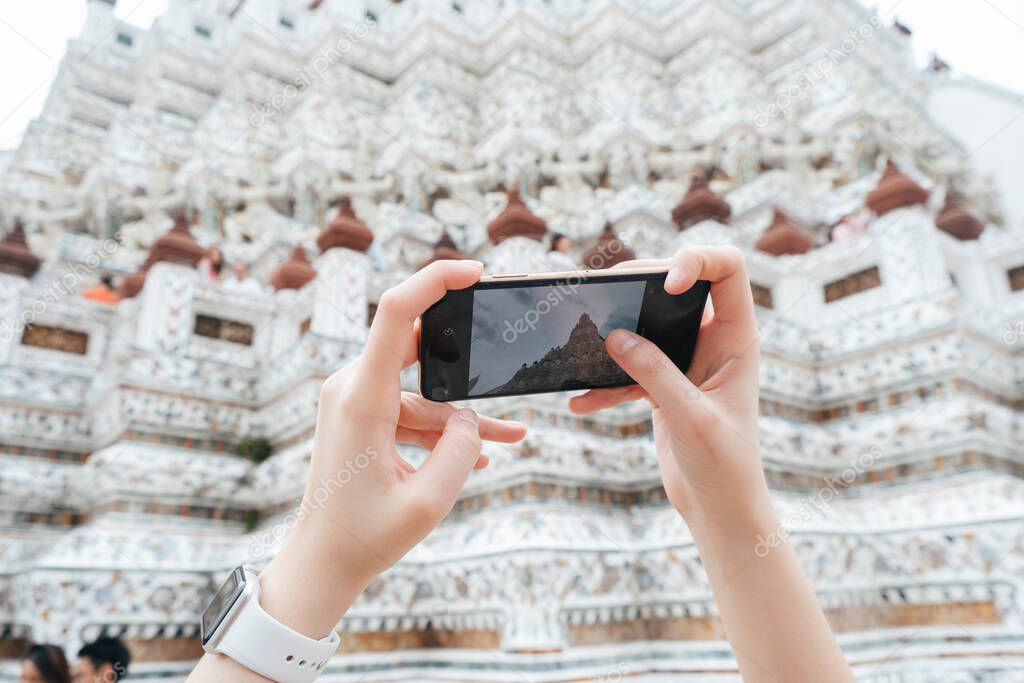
(250, 518)
(256, 449)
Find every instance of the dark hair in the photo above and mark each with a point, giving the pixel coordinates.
(110, 651)
(556, 237)
(50, 662)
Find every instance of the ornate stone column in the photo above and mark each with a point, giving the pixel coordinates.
(12, 317)
(518, 237)
(165, 308)
(169, 284)
(343, 269)
(293, 301)
(911, 257)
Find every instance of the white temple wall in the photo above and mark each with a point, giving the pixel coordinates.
(915, 373)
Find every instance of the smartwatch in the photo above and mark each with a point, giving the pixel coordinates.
(235, 625)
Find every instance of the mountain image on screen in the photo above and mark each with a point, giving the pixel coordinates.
(582, 359)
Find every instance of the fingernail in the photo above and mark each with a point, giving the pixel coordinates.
(468, 415)
(475, 264)
(622, 341)
(673, 277)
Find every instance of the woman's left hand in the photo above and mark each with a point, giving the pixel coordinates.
(365, 506)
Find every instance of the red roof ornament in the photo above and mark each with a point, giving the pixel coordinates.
(700, 203)
(295, 273)
(608, 251)
(783, 237)
(957, 221)
(895, 190)
(15, 256)
(516, 220)
(345, 231)
(177, 245)
(444, 249)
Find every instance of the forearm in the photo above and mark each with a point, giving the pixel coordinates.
(769, 611)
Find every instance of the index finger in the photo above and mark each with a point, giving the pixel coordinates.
(723, 267)
(391, 336)
(642, 263)
(726, 270)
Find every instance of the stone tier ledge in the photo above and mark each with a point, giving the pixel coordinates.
(917, 439)
(920, 347)
(509, 492)
(974, 540)
(903, 512)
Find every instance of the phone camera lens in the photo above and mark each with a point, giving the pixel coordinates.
(447, 331)
(439, 393)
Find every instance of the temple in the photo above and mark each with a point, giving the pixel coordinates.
(334, 147)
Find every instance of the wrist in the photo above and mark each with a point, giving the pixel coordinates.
(307, 589)
(737, 532)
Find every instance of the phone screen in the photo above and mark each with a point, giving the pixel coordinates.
(523, 337)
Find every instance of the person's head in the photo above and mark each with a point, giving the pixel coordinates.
(44, 663)
(107, 280)
(241, 271)
(105, 660)
(560, 242)
(216, 258)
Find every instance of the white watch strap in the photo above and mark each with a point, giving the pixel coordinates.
(259, 642)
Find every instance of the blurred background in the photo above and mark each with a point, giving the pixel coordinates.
(203, 200)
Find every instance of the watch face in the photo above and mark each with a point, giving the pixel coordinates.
(222, 603)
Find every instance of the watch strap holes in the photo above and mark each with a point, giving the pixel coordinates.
(315, 666)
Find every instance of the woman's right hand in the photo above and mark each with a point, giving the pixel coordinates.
(705, 434)
(706, 439)
(705, 424)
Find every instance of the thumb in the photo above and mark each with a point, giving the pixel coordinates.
(651, 368)
(453, 458)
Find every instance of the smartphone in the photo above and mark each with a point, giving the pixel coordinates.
(510, 335)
